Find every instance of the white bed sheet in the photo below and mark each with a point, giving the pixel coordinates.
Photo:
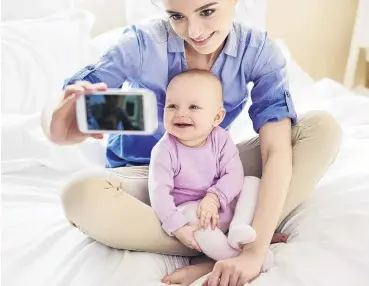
(329, 234)
(39, 247)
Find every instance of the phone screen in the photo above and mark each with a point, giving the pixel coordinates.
(114, 112)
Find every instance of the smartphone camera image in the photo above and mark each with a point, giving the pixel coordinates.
(133, 112)
(115, 112)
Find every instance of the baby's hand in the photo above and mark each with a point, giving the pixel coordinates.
(185, 235)
(208, 211)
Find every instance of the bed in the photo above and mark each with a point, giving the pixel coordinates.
(329, 233)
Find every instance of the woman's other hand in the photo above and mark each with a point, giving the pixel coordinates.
(236, 271)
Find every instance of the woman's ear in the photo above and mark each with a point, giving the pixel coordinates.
(219, 117)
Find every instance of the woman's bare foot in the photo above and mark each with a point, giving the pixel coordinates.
(188, 274)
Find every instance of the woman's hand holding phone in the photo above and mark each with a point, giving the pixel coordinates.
(63, 127)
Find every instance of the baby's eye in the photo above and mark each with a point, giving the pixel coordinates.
(193, 106)
(170, 106)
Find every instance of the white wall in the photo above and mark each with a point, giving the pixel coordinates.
(317, 32)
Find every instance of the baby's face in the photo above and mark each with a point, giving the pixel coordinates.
(193, 103)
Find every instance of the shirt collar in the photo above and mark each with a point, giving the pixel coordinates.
(232, 41)
(176, 43)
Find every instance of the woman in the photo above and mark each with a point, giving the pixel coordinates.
(291, 154)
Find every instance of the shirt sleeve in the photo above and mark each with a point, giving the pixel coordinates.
(161, 183)
(230, 182)
(121, 61)
(271, 98)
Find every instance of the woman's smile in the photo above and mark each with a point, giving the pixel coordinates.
(202, 41)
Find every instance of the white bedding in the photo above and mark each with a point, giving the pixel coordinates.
(329, 235)
(41, 248)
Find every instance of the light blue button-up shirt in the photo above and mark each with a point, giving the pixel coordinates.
(149, 55)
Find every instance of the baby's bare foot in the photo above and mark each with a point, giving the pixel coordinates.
(188, 274)
(241, 234)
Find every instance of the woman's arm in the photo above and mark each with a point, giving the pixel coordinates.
(272, 113)
(275, 143)
(122, 61)
(276, 153)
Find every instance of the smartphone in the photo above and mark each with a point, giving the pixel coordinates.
(118, 111)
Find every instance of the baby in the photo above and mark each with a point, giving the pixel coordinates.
(196, 183)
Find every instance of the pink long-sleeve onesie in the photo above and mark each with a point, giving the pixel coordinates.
(179, 174)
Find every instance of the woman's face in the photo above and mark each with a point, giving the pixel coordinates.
(203, 24)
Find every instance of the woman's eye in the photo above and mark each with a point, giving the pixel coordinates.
(207, 12)
(176, 17)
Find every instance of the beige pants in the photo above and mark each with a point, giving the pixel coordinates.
(112, 206)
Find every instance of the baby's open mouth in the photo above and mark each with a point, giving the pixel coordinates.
(182, 125)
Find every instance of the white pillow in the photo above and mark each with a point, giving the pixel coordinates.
(38, 55)
(30, 9)
(24, 145)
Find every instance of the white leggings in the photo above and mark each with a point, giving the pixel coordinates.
(214, 243)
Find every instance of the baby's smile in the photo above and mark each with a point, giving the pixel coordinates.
(183, 125)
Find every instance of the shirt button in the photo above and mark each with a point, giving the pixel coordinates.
(287, 93)
(90, 67)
